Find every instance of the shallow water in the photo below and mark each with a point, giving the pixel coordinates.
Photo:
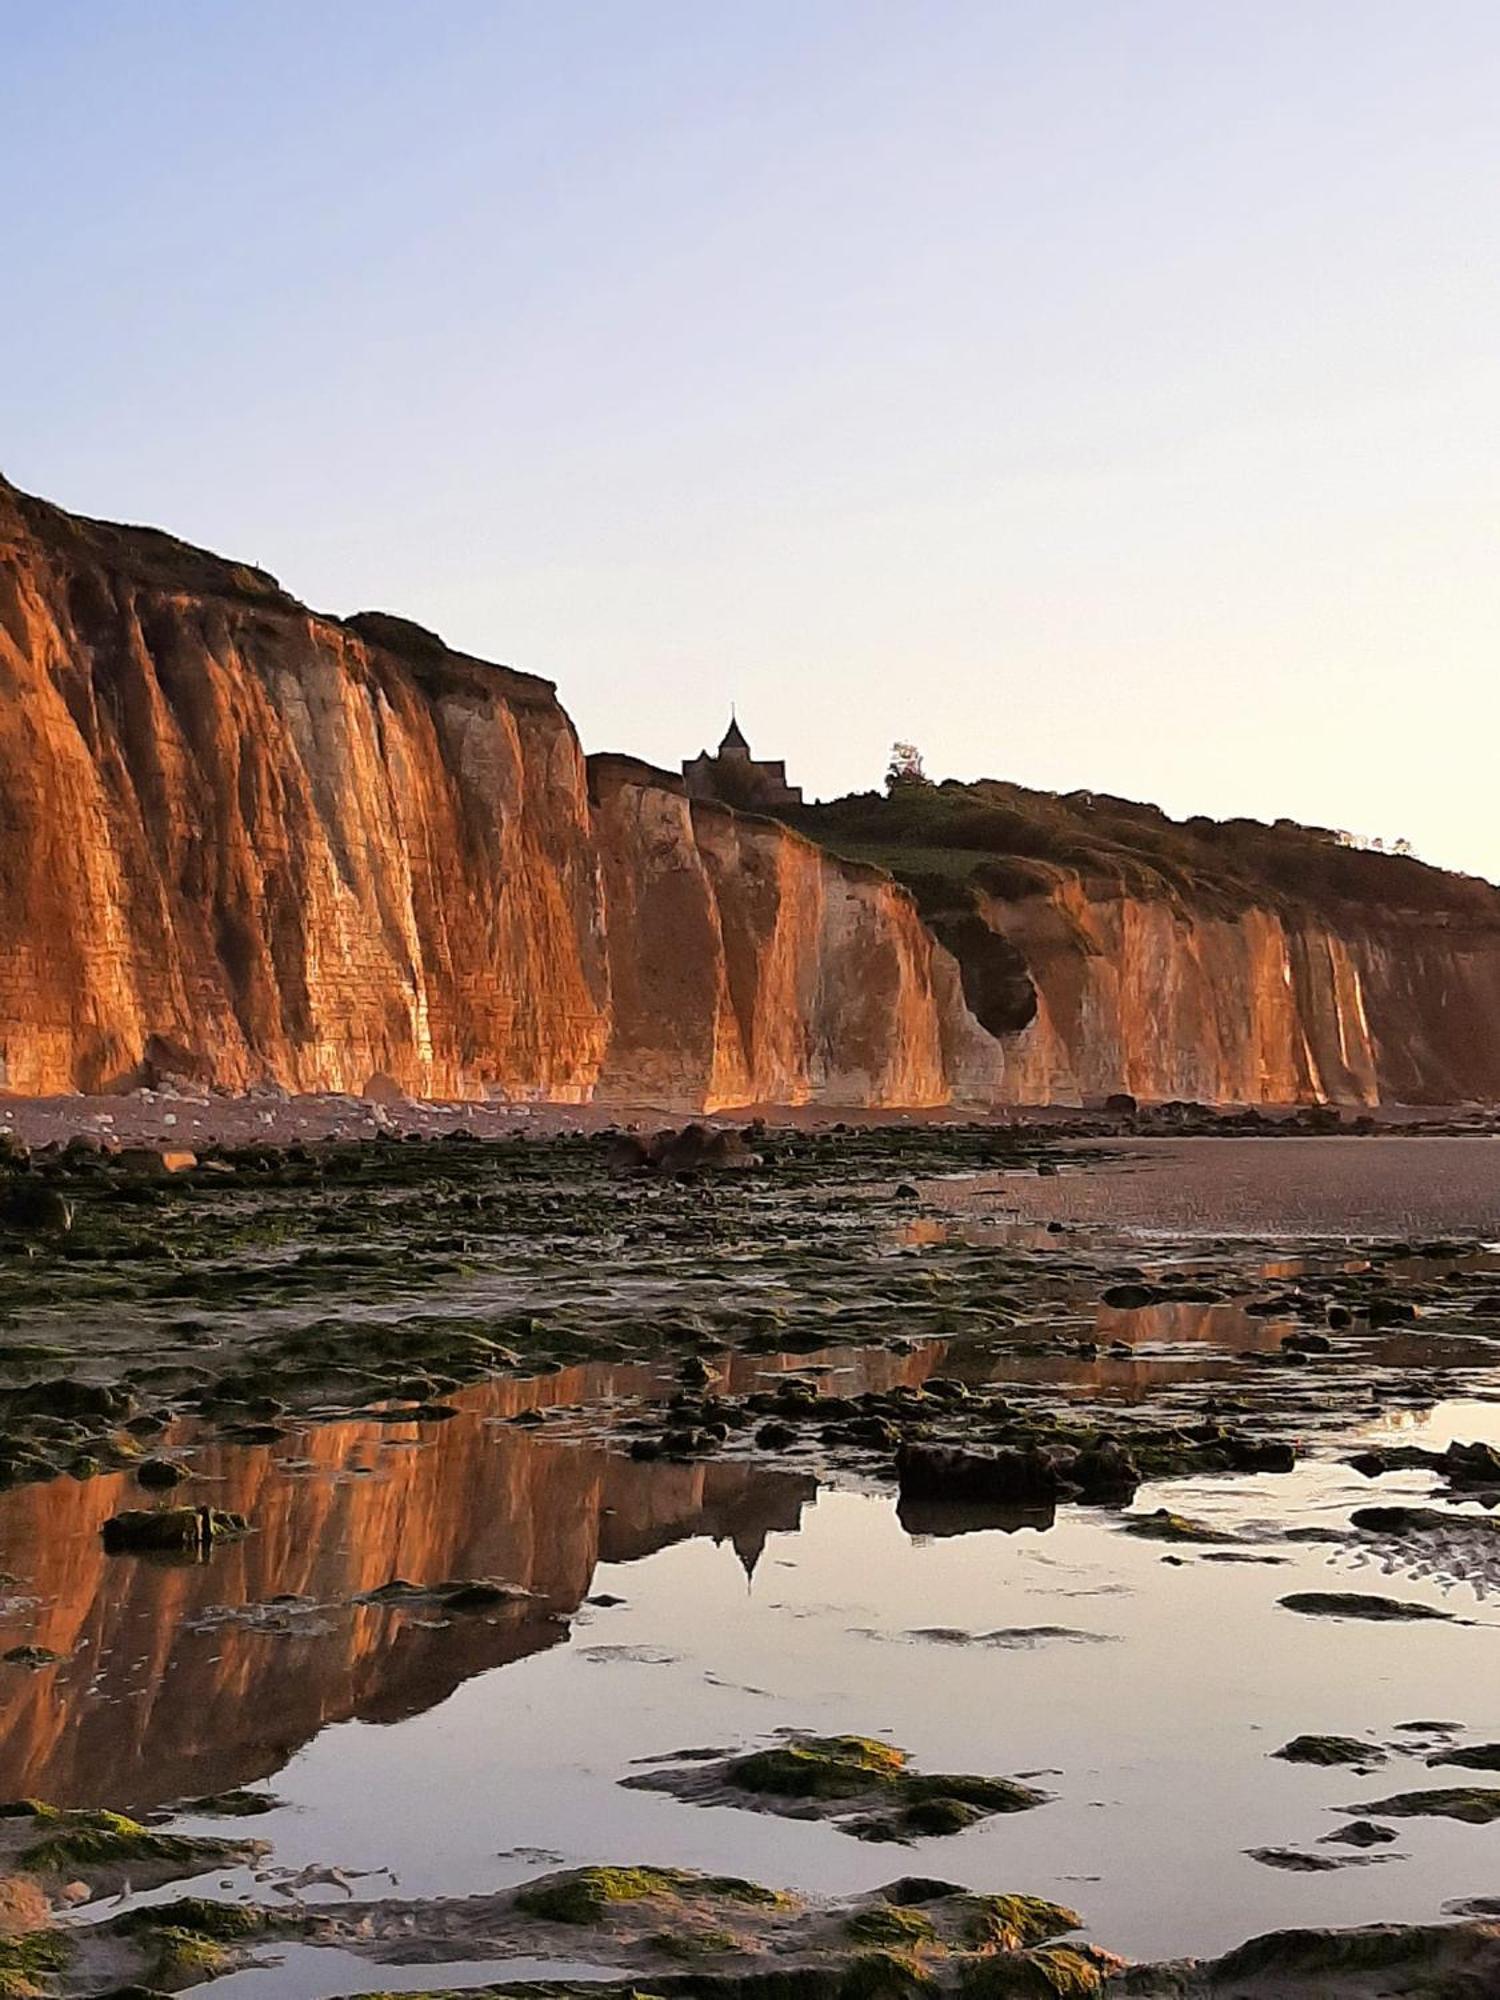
(463, 1754)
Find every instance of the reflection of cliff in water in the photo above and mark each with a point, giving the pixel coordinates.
(158, 1699)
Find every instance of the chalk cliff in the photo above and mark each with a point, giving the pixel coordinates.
(749, 966)
(254, 842)
(1106, 948)
(244, 839)
(305, 850)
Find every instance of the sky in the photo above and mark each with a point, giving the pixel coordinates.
(1097, 395)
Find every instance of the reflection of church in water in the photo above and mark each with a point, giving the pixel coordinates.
(735, 778)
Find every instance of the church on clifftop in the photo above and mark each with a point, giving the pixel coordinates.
(735, 778)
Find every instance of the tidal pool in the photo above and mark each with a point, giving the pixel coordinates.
(1143, 1685)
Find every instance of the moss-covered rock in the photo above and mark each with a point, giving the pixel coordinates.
(30, 1962)
(1477, 1805)
(1329, 1750)
(890, 1924)
(588, 1894)
(819, 1767)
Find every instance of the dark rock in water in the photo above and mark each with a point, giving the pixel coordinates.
(1104, 1471)
(1330, 1750)
(1476, 1464)
(160, 1473)
(30, 1656)
(1294, 1859)
(1391, 1312)
(1361, 1833)
(1417, 1959)
(67, 1398)
(916, 1889)
(178, 1529)
(1408, 1521)
(1306, 1343)
(699, 1148)
(1008, 1474)
(1339, 1317)
(1165, 1526)
(775, 1435)
(1130, 1298)
(1476, 1805)
(1470, 1757)
(1120, 1104)
(34, 1209)
(1359, 1604)
(1252, 1454)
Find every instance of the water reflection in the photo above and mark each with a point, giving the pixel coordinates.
(160, 1696)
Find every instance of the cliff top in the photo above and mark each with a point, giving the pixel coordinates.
(949, 839)
(152, 559)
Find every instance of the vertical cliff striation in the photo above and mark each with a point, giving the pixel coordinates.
(1102, 947)
(748, 966)
(265, 845)
(307, 850)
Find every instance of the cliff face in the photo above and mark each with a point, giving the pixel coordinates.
(266, 845)
(1254, 1008)
(747, 966)
(306, 852)
(1103, 947)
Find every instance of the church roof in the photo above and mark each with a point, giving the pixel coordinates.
(733, 737)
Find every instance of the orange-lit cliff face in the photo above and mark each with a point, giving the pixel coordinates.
(312, 852)
(305, 853)
(316, 852)
(748, 966)
(1261, 1006)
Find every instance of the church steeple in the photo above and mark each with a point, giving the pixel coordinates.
(733, 737)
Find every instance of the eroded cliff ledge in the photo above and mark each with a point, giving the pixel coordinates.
(1109, 948)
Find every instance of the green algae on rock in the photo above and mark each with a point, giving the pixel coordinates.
(1330, 1750)
(585, 1895)
(862, 1786)
(1477, 1805)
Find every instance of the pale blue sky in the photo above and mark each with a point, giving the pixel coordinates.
(1097, 394)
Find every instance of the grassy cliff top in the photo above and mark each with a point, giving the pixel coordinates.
(948, 839)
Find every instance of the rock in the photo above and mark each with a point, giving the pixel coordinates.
(160, 1473)
(1165, 1526)
(1120, 1104)
(64, 1397)
(177, 1529)
(1477, 1805)
(1330, 1750)
(1105, 1471)
(775, 1436)
(32, 1208)
(1470, 1757)
(31, 1656)
(1007, 1475)
(153, 1162)
(1306, 1343)
(1359, 1604)
(1130, 1298)
(1362, 1833)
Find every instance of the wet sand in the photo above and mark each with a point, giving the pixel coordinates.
(1383, 1186)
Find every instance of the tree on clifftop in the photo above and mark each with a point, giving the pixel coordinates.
(905, 767)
